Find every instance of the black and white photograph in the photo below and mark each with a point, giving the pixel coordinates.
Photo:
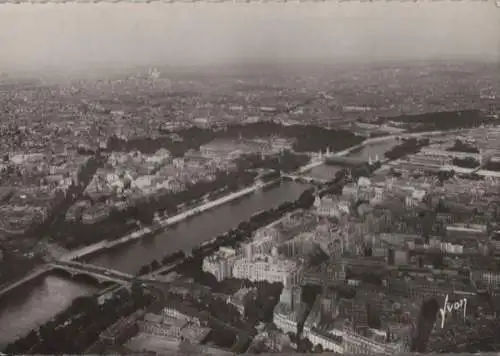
(205, 177)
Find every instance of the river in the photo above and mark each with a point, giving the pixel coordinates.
(326, 171)
(191, 232)
(377, 148)
(35, 303)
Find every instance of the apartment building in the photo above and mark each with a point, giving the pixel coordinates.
(329, 340)
(157, 325)
(220, 264)
(268, 269)
(354, 343)
(240, 299)
(285, 319)
(331, 207)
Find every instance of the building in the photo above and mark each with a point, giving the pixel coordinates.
(291, 297)
(325, 275)
(222, 150)
(268, 233)
(285, 320)
(345, 307)
(398, 257)
(329, 304)
(379, 195)
(415, 198)
(470, 231)
(174, 325)
(241, 298)
(220, 264)
(399, 240)
(354, 343)
(491, 279)
(314, 317)
(158, 325)
(448, 247)
(263, 242)
(350, 191)
(445, 154)
(120, 331)
(331, 241)
(331, 207)
(261, 247)
(181, 312)
(268, 269)
(96, 213)
(329, 340)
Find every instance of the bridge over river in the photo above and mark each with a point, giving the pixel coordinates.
(101, 274)
(304, 178)
(98, 273)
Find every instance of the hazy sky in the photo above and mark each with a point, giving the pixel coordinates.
(88, 35)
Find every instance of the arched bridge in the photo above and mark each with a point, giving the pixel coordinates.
(307, 179)
(74, 269)
(348, 161)
(101, 274)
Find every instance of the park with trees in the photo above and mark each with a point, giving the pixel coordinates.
(408, 147)
(460, 146)
(441, 121)
(467, 162)
(307, 138)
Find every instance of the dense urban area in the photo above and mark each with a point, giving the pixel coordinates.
(385, 239)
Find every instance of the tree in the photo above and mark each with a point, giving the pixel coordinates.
(305, 345)
(427, 222)
(187, 348)
(144, 270)
(272, 327)
(306, 199)
(318, 349)
(136, 290)
(445, 175)
(155, 265)
(437, 260)
(84, 303)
